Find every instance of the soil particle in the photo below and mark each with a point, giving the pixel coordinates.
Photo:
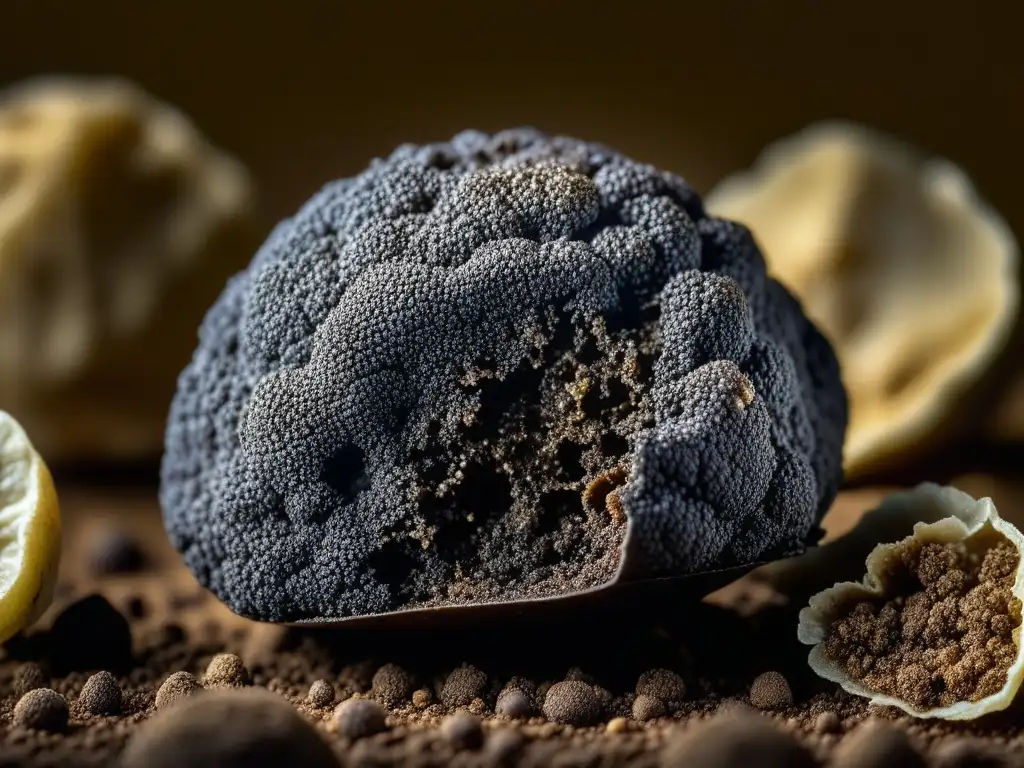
(42, 709)
(229, 728)
(877, 744)
(115, 551)
(392, 686)
(176, 688)
(463, 731)
(90, 634)
(648, 708)
(572, 702)
(770, 690)
(226, 670)
(101, 695)
(321, 694)
(359, 718)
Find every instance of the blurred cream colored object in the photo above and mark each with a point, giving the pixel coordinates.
(911, 276)
(119, 224)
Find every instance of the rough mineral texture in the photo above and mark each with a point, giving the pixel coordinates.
(463, 375)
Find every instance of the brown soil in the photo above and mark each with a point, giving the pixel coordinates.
(629, 686)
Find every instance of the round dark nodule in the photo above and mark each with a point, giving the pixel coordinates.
(572, 702)
(321, 694)
(42, 709)
(464, 684)
(226, 670)
(463, 730)
(877, 744)
(101, 695)
(229, 728)
(770, 690)
(28, 677)
(176, 688)
(513, 704)
(90, 634)
(737, 739)
(392, 686)
(359, 718)
(663, 684)
(116, 551)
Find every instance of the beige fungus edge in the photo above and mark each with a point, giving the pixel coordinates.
(936, 178)
(960, 518)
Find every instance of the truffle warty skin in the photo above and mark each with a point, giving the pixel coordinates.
(503, 367)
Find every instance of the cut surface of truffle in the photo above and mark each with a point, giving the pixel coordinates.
(908, 272)
(935, 627)
(501, 368)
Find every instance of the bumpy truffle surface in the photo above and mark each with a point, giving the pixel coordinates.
(464, 375)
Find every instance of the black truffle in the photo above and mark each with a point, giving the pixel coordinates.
(454, 378)
(101, 695)
(572, 702)
(42, 709)
(229, 728)
(359, 718)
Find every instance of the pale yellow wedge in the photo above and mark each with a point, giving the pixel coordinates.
(29, 530)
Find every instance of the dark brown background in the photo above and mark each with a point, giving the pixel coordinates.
(304, 91)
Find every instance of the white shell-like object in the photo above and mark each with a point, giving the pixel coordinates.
(943, 514)
(900, 263)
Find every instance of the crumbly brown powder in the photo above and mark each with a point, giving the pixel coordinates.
(944, 635)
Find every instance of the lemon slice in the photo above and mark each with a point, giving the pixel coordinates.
(29, 530)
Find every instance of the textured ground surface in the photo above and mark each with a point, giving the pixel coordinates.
(594, 669)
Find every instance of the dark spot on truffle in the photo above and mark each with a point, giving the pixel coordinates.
(770, 690)
(662, 684)
(229, 728)
(42, 709)
(737, 739)
(359, 718)
(572, 702)
(176, 688)
(321, 694)
(90, 634)
(226, 670)
(392, 686)
(877, 744)
(116, 551)
(464, 684)
(648, 708)
(28, 677)
(463, 730)
(101, 695)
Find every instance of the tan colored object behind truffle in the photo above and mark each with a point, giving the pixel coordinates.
(943, 516)
(911, 276)
(119, 224)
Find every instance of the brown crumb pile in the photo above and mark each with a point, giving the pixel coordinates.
(946, 636)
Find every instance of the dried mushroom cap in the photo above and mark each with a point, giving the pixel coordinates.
(118, 225)
(911, 276)
(952, 633)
